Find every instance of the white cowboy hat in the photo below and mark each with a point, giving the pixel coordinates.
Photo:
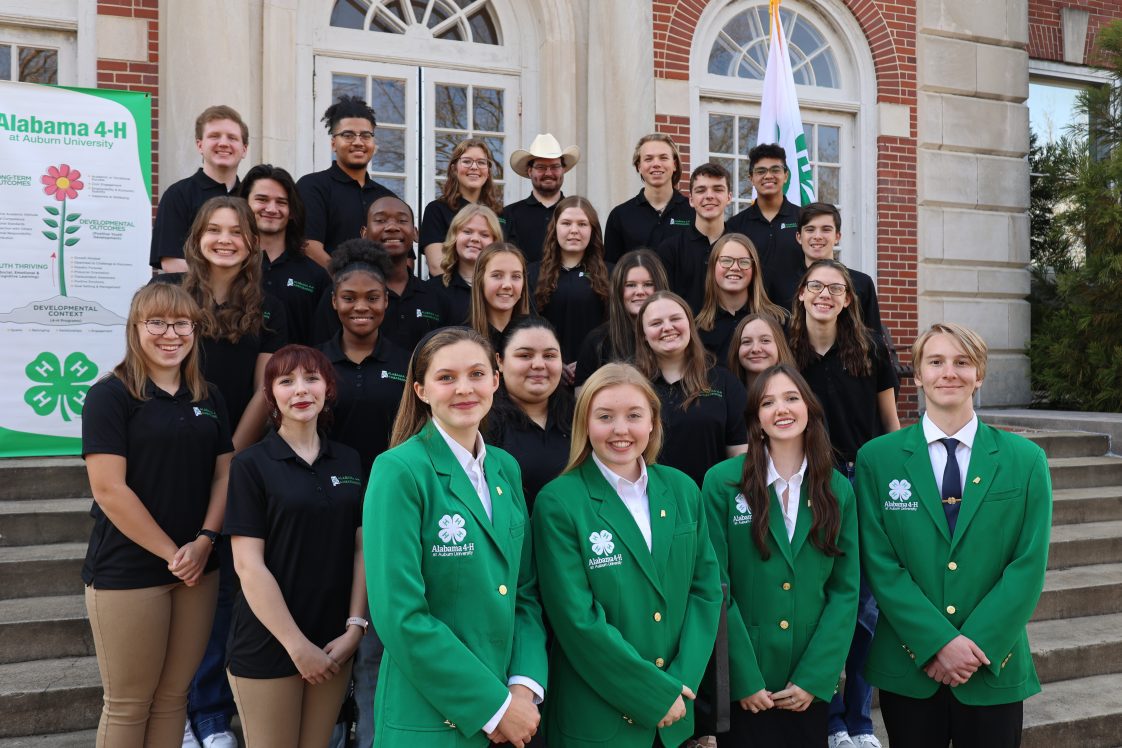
(544, 146)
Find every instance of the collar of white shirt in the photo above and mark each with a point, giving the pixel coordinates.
(965, 435)
(794, 492)
(633, 494)
(620, 484)
(472, 464)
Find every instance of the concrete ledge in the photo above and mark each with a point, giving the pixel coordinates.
(1059, 420)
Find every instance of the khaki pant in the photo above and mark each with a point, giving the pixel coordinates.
(289, 712)
(149, 642)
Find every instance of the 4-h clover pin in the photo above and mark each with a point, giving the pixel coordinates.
(742, 504)
(602, 542)
(61, 386)
(452, 528)
(900, 490)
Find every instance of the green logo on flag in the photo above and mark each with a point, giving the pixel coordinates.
(806, 176)
(61, 386)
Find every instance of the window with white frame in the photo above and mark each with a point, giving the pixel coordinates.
(37, 55)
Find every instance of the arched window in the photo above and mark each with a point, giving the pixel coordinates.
(459, 20)
(741, 48)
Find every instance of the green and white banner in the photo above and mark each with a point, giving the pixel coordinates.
(75, 225)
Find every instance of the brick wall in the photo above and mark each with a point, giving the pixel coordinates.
(890, 31)
(1046, 40)
(129, 75)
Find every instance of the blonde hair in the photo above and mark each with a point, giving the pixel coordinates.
(658, 137)
(971, 343)
(448, 257)
(758, 301)
(172, 302)
(479, 317)
(613, 375)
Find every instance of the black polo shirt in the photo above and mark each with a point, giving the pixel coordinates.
(176, 212)
(850, 402)
(697, 438)
(634, 224)
(594, 353)
(574, 308)
(170, 444)
(525, 225)
(780, 253)
(307, 515)
(685, 255)
(298, 283)
(717, 340)
(369, 394)
(541, 453)
(453, 300)
(863, 288)
(409, 317)
(335, 205)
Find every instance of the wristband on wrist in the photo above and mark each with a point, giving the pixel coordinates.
(210, 535)
(362, 623)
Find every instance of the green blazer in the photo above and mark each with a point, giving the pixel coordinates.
(983, 582)
(452, 593)
(632, 625)
(790, 618)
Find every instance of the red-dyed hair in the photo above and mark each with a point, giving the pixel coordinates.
(287, 360)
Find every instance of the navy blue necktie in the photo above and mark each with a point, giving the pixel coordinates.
(952, 484)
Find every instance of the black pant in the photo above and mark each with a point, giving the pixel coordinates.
(777, 728)
(942, 720)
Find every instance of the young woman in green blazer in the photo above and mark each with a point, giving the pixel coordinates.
(784, 528)
(627, 574)
(448, 559)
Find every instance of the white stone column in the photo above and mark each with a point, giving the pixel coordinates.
(973, 186)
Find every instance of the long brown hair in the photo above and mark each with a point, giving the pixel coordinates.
(855, 344)
(488, 194)
(781, 347)
(160, 300)
(448, 257)
(479, 317)
(758, 300)
(242, 313)
(821, 501)
(612, 375)
(414, 413)
(695, 376)
(621, 325)
(592, 261)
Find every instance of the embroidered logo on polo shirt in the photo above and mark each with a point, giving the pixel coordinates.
(345, 480)
(204, 412)
(745, 512)
(899, 495)
(788, 226)
(422, 314)
(452, 533)
(393, 375)
(680, 222)
(711, 393)
(602, 546)
(293, 283)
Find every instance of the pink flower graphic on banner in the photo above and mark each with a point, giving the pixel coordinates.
(62, 182)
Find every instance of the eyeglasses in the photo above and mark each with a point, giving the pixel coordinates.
(550, 168)
(744, 263)
(479, 163)
(835, 289)
(349, 136)
(763, 171)
(182, 327)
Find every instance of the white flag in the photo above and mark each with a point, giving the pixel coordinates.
(780, 121)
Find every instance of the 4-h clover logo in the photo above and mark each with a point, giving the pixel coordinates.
(602, 543)
(62, 183)
(452, 528)
(900, 490)
(742, 504)
(61, 386)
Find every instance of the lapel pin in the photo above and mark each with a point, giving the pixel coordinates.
(662, 513)
(499, 490)
(977, 480)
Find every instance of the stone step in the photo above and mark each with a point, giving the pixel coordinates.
(38, 570)
(49, 696)
(43, 478)
(1083, 712)
(1069, 443)
(1076, 647)
(33, 628)
(1085, 472)
(80, 739)
(1090, 590)
(39, 521)
(1087, 543)
(1073, 505)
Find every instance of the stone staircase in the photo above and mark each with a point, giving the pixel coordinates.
(50, 693)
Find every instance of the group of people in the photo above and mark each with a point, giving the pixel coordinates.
(513, 503)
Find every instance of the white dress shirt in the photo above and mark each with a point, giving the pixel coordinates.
(938, 453)
(793, 488)
(473, 466)
(632, 494)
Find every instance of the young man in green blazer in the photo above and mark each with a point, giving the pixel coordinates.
(954, 522)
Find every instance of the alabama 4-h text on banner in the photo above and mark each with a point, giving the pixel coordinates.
(780, 120)
(75, 225)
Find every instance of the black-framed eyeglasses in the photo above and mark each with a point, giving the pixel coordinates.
(182, 327)
(763, 171)
(835, 289)
(744, 263)
(349, 136)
